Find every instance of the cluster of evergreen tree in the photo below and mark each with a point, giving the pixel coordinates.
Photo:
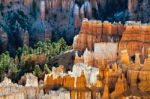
(16, 67)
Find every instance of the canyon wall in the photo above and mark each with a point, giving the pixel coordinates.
(135, 38)
(96, 31)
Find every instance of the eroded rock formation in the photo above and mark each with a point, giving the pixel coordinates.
(11, 90)
(96, 31)
(31, 80)
(144, 76)
(124, 58)
(135, 38)
(121, 86)
(101, 52)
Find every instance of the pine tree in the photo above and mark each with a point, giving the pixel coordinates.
(37, 71)
(46, 69)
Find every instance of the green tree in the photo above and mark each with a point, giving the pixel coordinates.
(46, 69)
(7, 66)
(37, 71)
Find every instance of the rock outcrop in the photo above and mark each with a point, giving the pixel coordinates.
(79, 81)
(121, 87)
(101, 52)
(60, 94)
(106, 94)
(124, 58)
(10, 90)
(96, 31)
(31, 80)
(144, 76)
(135, 38)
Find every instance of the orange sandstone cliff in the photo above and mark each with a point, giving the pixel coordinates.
(135, 38)
(95, 32)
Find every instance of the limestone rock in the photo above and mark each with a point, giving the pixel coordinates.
(31, 80)
(106, 89)
(88, 57)
(95, 32)
(147, 63)
(132, 76)
(144, 76)
(121, 86)
(135, 38)
(124, 58)
(144, 80)
(137, 60)
(101, 52)
(57, 95)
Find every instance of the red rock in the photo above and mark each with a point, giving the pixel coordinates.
(135, 38)
(94, 32)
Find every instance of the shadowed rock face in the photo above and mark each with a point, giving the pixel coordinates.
(3, 40)
(138, 10)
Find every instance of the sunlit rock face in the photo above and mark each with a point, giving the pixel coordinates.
(137, 75)
(11, 90)
(144, 77)
(124, 58)
(101, 52)
(96, 31)
(135, 38)
(81, 77)
(7, 88)
(31, 80)
(120, 87)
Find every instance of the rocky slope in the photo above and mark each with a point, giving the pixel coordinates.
(52, 19)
